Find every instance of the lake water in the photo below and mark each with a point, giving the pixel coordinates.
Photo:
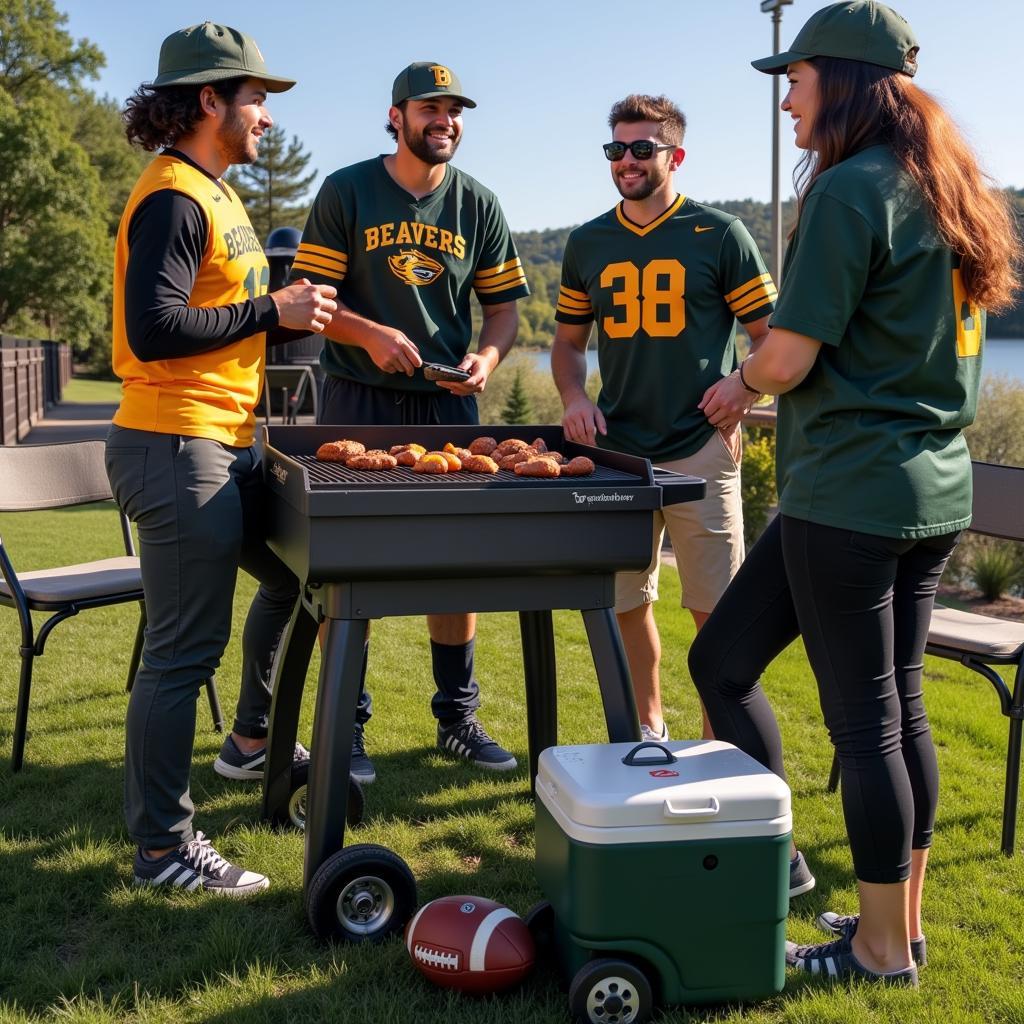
(1002, 355)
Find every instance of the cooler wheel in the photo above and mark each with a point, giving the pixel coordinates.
(294, 815)
(608, 991)
(364, 893)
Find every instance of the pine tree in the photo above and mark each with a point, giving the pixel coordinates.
(274, 188)
(517, 405)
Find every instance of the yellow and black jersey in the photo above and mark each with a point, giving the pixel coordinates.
(191, 359)
(412, 264)
(665, 298)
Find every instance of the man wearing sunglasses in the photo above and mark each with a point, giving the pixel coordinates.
(665, 279)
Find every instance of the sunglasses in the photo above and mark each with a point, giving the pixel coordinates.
(642, 149)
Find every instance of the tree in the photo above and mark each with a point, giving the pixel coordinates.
(55, 257)
(274, 188)
(517, 405)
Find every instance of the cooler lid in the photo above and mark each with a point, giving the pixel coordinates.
(684, 782)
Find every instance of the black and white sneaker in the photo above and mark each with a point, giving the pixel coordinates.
(835, 961)
(197, 865)
(361, 767)
(800, 878)
(233, 764)
(846, 924)
(469, 739)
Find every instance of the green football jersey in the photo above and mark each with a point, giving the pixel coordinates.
(872, 439)
(666, 298)
(409, 263)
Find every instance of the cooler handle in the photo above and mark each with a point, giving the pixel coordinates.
(710, 811)
(630, 758)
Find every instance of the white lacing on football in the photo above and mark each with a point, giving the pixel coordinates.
(436, 958)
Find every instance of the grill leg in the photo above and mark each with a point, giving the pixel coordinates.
(612, 675)
(289, 679)
(541, 692)
(341, 670)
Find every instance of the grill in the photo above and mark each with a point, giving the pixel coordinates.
(374, 544)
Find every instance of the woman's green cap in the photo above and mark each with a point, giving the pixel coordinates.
(854, 30)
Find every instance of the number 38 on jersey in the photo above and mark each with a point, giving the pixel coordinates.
(651, 298)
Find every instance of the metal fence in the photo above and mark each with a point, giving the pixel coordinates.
(32, 379)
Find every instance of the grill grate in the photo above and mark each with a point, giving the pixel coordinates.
(333, 474)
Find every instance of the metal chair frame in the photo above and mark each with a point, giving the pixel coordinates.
(33, 642)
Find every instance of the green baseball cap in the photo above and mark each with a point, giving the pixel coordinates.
(426, 78)
(211, 53)
(855, 30)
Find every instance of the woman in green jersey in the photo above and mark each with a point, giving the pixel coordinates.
(875, 350)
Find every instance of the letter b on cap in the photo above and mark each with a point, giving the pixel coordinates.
(442, 76)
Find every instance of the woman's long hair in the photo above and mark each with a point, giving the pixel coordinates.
(861, 105)
(157, 117)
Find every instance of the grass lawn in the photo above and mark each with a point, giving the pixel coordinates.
(84, 389)
(79, 943)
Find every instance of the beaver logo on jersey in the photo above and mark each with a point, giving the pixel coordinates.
(412, 267)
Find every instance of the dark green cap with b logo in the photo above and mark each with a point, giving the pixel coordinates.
(425, 79)
(212, 53)
(854, 30)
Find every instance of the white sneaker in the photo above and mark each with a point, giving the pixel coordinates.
(648, 735)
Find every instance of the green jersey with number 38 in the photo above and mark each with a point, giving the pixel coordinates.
(665, 298)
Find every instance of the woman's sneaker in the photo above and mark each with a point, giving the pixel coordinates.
(233, 764)
(835, 961)
(197, 865)
(648, 735)
(800, 878)
(846, 924)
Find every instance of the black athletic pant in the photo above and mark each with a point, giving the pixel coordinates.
(862, 604)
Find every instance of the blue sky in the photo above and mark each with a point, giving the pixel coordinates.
(545, 73)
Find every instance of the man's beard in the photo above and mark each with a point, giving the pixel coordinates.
(656, 176)
(233, 137)
(420, 147)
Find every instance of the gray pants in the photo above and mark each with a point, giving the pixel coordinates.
(198, 505)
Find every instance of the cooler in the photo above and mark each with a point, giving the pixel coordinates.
(672, 856)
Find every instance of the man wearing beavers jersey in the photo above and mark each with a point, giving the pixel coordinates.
(407, 239)
(190, 322)
(665, 279)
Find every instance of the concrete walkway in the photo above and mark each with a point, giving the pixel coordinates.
(72, 421)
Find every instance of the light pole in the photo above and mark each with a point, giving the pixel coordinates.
(774, 7)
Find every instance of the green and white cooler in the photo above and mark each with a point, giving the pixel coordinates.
(672, 858)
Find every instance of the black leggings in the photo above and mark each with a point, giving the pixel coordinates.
(862, 604)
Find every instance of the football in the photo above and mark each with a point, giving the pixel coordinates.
(470, 943)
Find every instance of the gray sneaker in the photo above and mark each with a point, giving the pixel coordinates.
(835, 961)
(233, 764)
(197, 865)
(800, 878)
(846, 924)
(361, 767)
(469, 739)
(648, 735)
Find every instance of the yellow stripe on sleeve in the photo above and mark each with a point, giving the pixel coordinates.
(306, 263)
(323, 251)
(738, 292)
(759, 300)
(580, 304)
(570, 311)
(503, 286)
(499, 269)
(516, 274)
(571, 293)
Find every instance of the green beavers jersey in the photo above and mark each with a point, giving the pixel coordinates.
(665, 298)
(872, 439)
(408, 263)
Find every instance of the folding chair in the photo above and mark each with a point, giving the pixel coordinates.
(37, 477)
(980, 641)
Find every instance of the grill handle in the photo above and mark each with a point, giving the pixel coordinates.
(675, 487)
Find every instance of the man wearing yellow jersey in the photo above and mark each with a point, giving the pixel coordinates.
(191, 323)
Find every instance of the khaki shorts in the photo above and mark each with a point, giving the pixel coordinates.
(707, 535)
